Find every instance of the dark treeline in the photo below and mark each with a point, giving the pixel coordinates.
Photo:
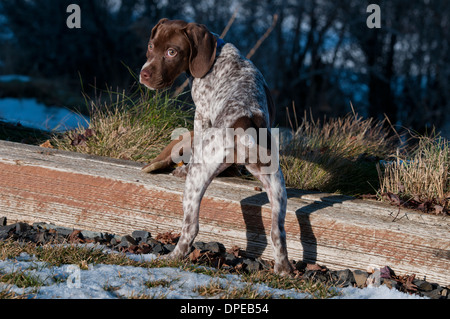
(320, 57)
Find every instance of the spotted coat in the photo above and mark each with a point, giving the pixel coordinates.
(233, 94)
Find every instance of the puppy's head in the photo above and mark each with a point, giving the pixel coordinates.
(176, 47)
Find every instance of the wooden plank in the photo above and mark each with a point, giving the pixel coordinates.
(102, 194)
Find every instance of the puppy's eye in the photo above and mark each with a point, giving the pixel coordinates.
(150, 46)
(171, 53)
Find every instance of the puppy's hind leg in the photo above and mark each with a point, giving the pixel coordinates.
(275, 187)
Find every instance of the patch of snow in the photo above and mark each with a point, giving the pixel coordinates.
(381, 292)
(114, 281)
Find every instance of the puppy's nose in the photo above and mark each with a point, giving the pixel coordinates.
(145, 74)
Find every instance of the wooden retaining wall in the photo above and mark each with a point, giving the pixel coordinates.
(102, 194)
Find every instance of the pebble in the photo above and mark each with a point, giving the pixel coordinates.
(251, 265)
(158, 249)
(345, 278)
(360, 278)
(152, 242)
(423, 285)
(232, 260)
(141, 235)
(215, 247)
(169, 247)
(317, 275)
(390, 283)
(127, 241)
(199, 245)
(90, 234)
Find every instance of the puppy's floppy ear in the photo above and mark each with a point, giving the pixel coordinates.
(156, 27)
(203, 49)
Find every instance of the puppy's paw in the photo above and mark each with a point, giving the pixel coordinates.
(153, 167)
(173, 256)
(181, 171)
(284, 269)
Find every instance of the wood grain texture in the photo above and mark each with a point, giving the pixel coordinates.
(102, 194)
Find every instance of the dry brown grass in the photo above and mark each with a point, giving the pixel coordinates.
(336, 155)
(135, 127)
(423, 174)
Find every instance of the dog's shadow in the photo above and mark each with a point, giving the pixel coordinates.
(256, 236)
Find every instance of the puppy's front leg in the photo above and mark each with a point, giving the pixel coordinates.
(202, 170)
(197, 181)
(166, 159)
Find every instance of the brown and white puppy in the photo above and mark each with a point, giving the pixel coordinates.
(230, 94)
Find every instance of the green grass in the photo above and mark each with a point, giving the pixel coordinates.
(216, 290)
(56, 255)
(315, 288)
(21, 279)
